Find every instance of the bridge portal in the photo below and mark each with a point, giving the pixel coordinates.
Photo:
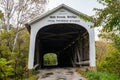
(63, 32)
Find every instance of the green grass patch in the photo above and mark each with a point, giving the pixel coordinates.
(33, 77)
(100, 76)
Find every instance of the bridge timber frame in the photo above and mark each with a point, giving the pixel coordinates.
(63, 32)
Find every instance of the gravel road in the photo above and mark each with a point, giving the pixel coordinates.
(60, 74)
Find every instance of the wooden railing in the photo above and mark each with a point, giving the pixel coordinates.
(35, 66)
(82, 62)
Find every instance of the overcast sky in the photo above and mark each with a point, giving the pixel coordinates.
(84, 6)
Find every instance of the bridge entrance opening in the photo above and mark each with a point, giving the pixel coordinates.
(50, 59)
(70, 43)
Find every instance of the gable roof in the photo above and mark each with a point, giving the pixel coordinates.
(62, 6)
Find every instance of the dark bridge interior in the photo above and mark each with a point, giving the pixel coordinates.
(70, 42)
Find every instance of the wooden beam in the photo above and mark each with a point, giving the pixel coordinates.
(78, 54)
(57, 39)
(84, 34)
(71, 33)
(48, 36)
(47, 33)
(57, 35)
(34, 67)
(82, 62)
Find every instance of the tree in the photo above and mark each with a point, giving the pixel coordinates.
(108, 17)
(18, 59)
(21, 54)
(6, 60)
(14, 49)
(20, 11)
(1, 21)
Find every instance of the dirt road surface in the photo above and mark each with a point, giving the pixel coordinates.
(60, 74)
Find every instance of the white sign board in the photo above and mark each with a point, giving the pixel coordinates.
(63, 16)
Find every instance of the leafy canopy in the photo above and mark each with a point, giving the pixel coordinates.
(109, 17)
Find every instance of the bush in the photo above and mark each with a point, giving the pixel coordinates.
(100, 76)
(111, 62)
(108, 58)
(13, 63)
(6, 70)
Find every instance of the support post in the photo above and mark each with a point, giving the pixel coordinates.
(31, 51)
(92, 55)
(78, 55)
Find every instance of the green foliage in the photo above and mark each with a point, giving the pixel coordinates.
(1, 14)
(86, 18)
(33, 77)
(50, 59)
(22, 44)
(6, 69)
(21, 54)
(109, 59)
(6, 61)
(111, 63)
(18, 59)
(19, 65)
(100, 76)
(6, 38)
(109, 17)
(116, 40)
(4, 50)
(101, 51)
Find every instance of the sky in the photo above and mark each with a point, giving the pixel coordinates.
(84, 6)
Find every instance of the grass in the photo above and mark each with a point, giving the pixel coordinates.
(100, 76)
(33, 77)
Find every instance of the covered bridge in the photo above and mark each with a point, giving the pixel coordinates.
(63, 32)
